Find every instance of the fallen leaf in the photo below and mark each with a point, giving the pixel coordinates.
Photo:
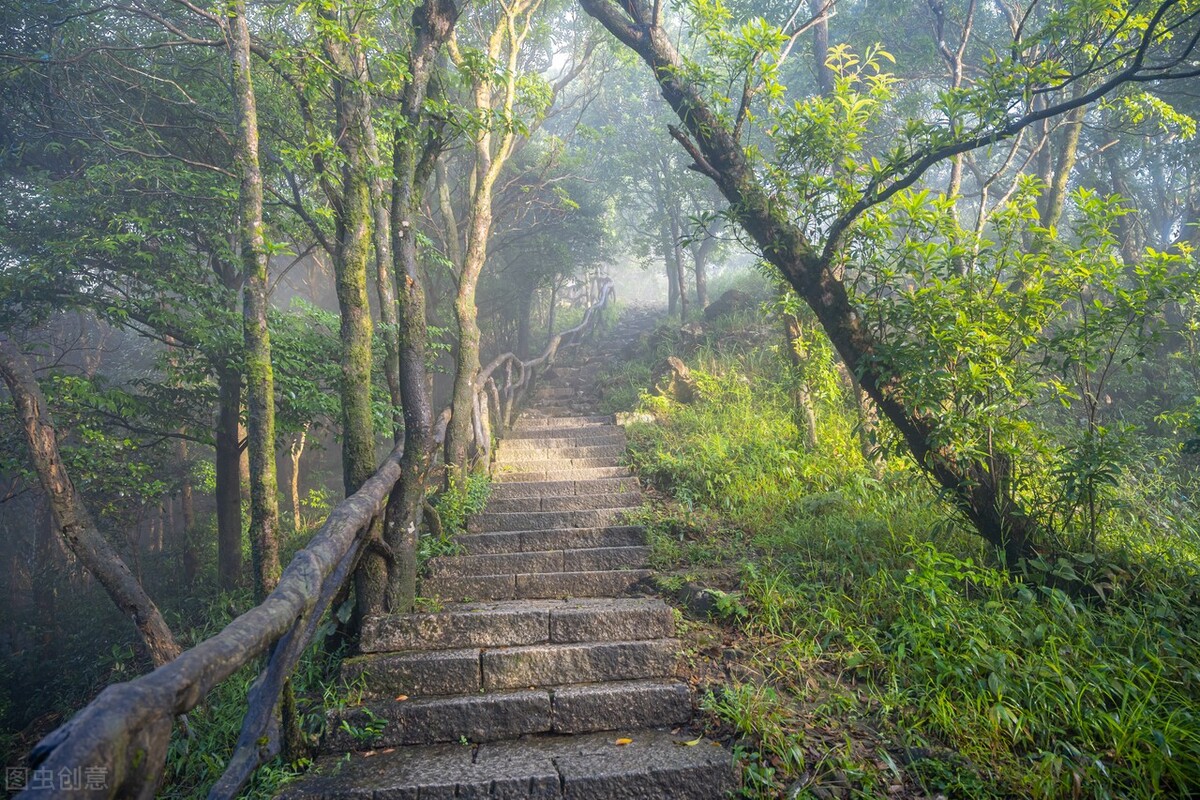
(623, 742)
(692, 743)
(400, 698)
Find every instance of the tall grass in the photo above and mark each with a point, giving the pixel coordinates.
(878, 617)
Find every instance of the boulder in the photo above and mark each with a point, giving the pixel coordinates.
(729, 303)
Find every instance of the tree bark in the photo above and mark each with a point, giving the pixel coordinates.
(433, 22)
(296, 451)
(1056, 195)
(793, 334)
(75, 524)
(260, 378)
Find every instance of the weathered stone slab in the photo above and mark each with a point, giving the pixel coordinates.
(416, 673)
(621, 619)
(496, 564)
(605, 558)
(585, 662)
(477, 717)
(571, 502)
(544, 520)
(459, 626)
(655, 765)
(565, 488)
(586, 437)
(591, 473)
(580, 584)
(473, 587)
(613, 706)
(506, 454)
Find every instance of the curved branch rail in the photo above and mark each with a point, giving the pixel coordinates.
(123, 735)
(503, 401)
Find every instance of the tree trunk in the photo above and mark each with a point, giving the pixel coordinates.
(432, 22)
(228, 465)
(793, 334)
(260, 378)
(677, 262)
(187, 512)
(1056, 195)
(552, 311)
(672, 272)
(75, 523)
(980, 490)
(351, 252)
(297, 450)
(524, 312)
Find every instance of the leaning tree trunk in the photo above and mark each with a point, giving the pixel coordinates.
(980, 489)
(75, 524)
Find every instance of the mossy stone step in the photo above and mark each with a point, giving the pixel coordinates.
(654, 765)
(522, 622)
(492, 716)
(552, 539)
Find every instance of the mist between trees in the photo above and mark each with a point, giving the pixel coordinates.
(249, 247)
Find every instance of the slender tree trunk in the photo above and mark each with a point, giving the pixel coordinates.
(75, 524)
(1056, 196)
(228, 465)
(260, 378)
(351, 253)
(677, 262)
(524, 312)
(385, 286)
(668, 250)
(187, 512)
(552, 311)
(433, 22)
(793, 334)
(297, 450)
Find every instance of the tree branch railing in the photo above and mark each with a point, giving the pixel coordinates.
(116, 746)
(501, 401)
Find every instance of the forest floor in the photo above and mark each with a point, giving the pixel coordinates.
(849, 638)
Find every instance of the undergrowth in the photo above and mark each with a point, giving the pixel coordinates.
(890, 655)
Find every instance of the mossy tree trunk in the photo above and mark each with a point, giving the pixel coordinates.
(260, 378)
(413, 160)
(75, 524)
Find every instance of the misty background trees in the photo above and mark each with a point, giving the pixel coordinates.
(249, 247)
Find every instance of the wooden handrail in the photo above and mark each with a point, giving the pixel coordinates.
(121, 738)
(504, 401)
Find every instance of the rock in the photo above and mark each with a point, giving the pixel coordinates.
(691, 337)
(730, 302)
(674, 380)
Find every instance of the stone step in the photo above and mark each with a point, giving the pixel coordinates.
(538, 585)
(426, 673)
(598, 431)
(555, 392)
(541, 419)
(551, 465)
(575, 560)
(571, 502)
(506, 455)
(544, 520)
(504, 491)
(519, 622)
(553, 539)
(489, 717)
(561, 443)
(525, 475)
(654, 765)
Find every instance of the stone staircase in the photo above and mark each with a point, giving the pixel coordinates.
(546, 673)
